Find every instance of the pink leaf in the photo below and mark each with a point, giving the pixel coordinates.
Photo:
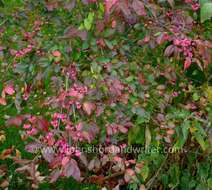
(162, 38)
(187, 63)
(56, 53)
(169, 50)
(65, 160)
(129, 175)
(54, 175)
(3, 101)
(88, 107)
(109, 4)
(122, 129)
(17, 121)
(79, 126)
(9, 89)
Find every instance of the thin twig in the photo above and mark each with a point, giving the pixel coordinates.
(151, 181)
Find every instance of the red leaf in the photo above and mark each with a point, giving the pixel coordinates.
(139, 8)
(162, 38)
(141, 78)
(6, 153)
(17, 121)
(43, 124)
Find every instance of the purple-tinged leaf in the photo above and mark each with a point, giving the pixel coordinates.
(48, 154)
(139, 8)
(169, 50)
(33, 147)
(72, 169)
(71, 32)
(54, 175)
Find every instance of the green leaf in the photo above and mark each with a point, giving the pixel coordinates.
(210, 183)
(195, 97)
(147, 137)
(87, 24)
(182, 139)
(88, 21)
(200, 140)
(206, 12)
(202, 2)
(145, 172)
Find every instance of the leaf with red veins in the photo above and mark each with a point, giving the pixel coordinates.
(3, 101)
(139, 8)
(88, 107)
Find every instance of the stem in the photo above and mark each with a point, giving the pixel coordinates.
(152, 180)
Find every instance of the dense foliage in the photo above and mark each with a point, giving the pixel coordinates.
(113, 94)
